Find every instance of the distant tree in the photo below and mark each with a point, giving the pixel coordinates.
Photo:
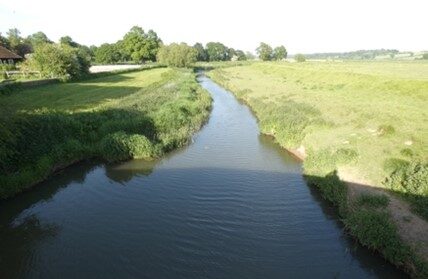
(58, 60)
(250, 55)
(202, 53)
(265, 52)
(425, 56)
(107, 54)
(16, 42)
(280, 53)
(37, 39)
(141, 46)
(217, 51)
(300, 58)
(67, 40)
(177, 55)
(4, 42)
(240, 55)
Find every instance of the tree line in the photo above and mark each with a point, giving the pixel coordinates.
(67, 58)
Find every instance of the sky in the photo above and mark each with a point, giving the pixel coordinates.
(302, 26)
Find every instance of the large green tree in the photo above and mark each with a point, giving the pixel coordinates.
(16, 42)
(202, 53)
(59, 60)
(141, 46)
(279, 53)
(37, 39)
(177, 55)
(217, 51)
(4, 42)
(265, 52)
(67, 40)
(107, 54)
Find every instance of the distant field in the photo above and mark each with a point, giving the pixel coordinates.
(117, 117)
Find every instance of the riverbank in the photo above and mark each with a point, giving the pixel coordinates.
(340, 117)
(140, 114)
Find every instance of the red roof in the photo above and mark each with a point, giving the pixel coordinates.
(7, 54)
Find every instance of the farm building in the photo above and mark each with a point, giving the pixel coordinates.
(8, 57)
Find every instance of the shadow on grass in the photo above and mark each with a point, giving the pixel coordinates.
(374, 222)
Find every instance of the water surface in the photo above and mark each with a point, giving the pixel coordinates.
(230, 205)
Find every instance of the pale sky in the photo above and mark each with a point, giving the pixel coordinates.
(303, 26)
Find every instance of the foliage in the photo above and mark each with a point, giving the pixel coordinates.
(67, 40)
(299, 58)
(177, 55)
(4, 42)
(37, 39)
(16, 42)
(265, 52)
(108, 54)
(373, 201)
(217, 51)
(141, 46)
(121, 146)
(425, 56)
(63, 61)
(116, 117)
(412, 181)
(280, 53)
(202, 53)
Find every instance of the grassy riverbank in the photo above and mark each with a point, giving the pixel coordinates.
(358, 122)
(117, 117)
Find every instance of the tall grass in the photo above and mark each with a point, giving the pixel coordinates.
(117, 117)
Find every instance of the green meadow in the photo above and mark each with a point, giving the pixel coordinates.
(140, 114)
(371, 116)
(364, 123)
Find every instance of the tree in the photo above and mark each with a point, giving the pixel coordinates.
(67, 40)
(217, 51)
(250, 55)
(280, 53)
(4, 42)
(16, 42)
(177, 55)
(37, 39)
(58, 60)
(202, 53)
(141, 46)
(107, 54)
(300, 58)
(240, 55)
(425, 56)
(265, 52)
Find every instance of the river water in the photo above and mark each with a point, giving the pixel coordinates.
(230, 205)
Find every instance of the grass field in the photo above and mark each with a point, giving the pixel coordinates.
(117, 117)
(362, 122)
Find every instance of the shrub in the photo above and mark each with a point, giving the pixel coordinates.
(300, 58)
(373, 201)
(63, 61)
(177, 55)
(120, 146)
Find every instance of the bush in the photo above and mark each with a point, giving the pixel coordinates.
(412, 181)
(121, 146)
(63, 61)
(177, 55)
(300, 58)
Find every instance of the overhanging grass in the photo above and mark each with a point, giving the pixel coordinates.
(117, 117)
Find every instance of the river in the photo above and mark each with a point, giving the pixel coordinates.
(232, 204)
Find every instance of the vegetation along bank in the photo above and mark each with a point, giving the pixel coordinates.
(139, 114)
(361, 127)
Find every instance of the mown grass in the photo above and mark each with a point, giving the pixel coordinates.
(358, 121)
(116, 117)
